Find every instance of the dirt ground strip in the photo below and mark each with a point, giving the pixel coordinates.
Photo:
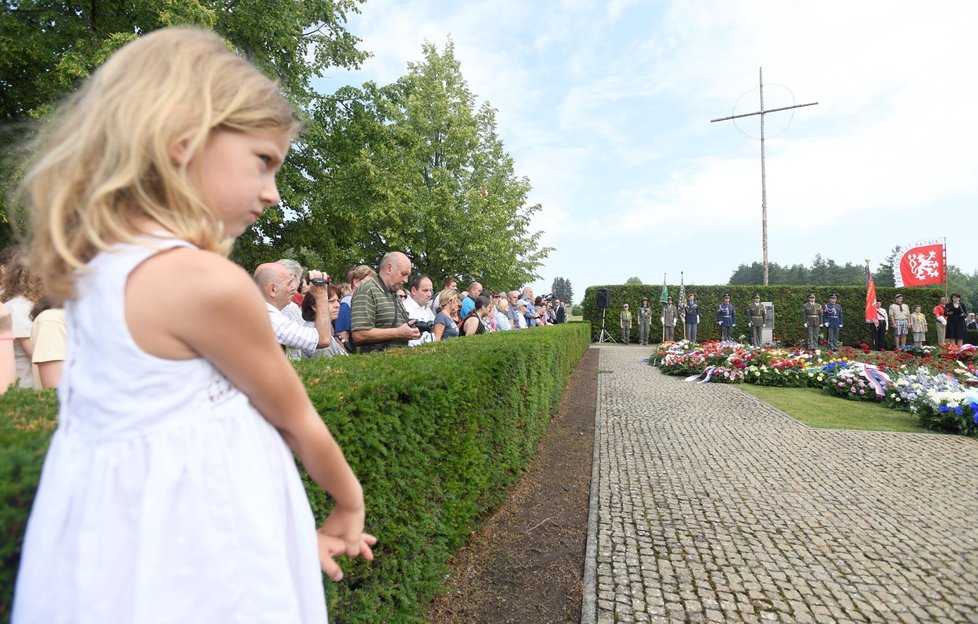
(526, 563)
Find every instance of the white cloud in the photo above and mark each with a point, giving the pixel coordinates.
(605, 106)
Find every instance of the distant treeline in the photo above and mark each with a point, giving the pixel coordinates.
(826, 272)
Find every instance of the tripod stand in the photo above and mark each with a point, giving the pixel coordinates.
(604, 336)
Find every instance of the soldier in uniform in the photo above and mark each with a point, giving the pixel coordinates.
(668, 319)
(625, 322)
(726, 318)
(691, 316)
(811, 314)
(757, 314)
(832, 318)
(644, 317)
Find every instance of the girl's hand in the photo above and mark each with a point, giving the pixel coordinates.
(331, 546)
(342, 533)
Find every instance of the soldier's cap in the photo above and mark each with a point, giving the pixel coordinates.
(645, 298)
(898, 296)
(833, 296)
(726, 295)
(624, 305)
(668, 298)
(811, 296)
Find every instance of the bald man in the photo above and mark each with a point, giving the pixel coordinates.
(378, 319)
(274, 282)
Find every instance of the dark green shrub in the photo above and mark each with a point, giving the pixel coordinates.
(436, 435)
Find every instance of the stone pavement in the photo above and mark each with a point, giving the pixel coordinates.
(708, 505)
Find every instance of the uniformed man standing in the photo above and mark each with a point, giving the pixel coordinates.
(691, 316)
(757, 314)
(625, 322)
(726, 318)
(669, 317)
(644, 318)
(832, 318)
(811, 314)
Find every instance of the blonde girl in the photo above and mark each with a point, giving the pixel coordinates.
(169, 492)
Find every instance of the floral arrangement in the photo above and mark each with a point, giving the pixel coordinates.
(939, 384)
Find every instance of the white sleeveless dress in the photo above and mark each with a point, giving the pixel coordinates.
(165, 495)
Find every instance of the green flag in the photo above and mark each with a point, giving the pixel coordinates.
(664, 299)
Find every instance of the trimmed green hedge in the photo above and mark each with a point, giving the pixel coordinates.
(788, 301)
(436, 434)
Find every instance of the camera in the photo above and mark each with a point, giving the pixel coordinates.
(318, 281)
(423, 326)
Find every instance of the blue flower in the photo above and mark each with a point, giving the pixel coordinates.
(943, 409)
(958, 410)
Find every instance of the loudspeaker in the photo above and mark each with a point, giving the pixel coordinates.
(602, 297)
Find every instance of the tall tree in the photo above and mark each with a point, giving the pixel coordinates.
(413, 166)
(49, 46)
(633, 281)
(561, 289)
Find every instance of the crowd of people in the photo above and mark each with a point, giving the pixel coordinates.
(372, 310)
(368, 311)
(951, 320)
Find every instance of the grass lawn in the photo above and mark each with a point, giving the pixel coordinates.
(822, 411)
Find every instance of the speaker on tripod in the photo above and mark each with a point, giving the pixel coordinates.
(603, 298)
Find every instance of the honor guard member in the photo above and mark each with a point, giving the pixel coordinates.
(832, 318)
(644, 318)
(668, 319)
(811, 314)
(625, 322)
(691, 317)
(726, 318)
(757, 314)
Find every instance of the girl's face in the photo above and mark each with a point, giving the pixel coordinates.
(235, 175)
(334, 308)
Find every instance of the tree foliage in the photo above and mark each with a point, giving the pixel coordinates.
(50, 46)
(561, 288)
(822, 272)
(413, 166)
(633, 281)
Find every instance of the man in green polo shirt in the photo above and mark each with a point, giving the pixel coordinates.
(378, 319)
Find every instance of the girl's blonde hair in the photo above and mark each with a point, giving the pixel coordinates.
(106, 162)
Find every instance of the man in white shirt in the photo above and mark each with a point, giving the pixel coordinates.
(417, 308)
(293, 309)
(274, 283)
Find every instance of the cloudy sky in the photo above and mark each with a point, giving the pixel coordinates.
(606, 106)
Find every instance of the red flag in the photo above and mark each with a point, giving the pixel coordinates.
(920, 264)
(871, 314)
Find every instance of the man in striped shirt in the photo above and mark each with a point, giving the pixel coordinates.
(378, 319)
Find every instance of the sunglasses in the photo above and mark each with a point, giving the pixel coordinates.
(402, 296)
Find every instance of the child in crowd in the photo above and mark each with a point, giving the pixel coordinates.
(918, 325)
(169, 491)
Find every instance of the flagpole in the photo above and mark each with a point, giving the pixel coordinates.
(663, 339)
(946, 272)
(682, 303)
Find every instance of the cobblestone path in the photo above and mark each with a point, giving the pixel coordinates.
(711, 506)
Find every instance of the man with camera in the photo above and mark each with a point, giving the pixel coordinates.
(275, 283)
(417, 308)
(378, 319)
